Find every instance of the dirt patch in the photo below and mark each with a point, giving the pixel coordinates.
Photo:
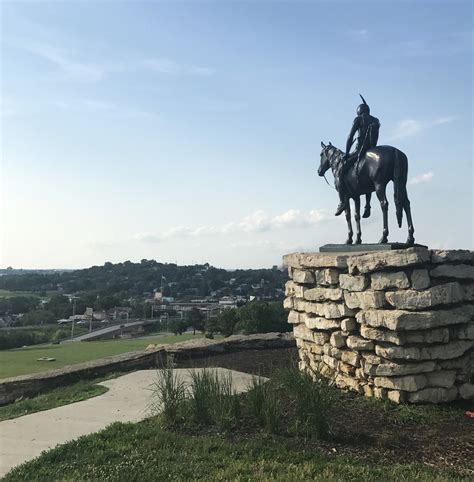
(370, 430)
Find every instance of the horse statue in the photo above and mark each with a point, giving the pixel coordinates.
(375, 169)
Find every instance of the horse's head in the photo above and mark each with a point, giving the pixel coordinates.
(325, 163)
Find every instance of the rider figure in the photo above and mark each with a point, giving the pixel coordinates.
(367, 127)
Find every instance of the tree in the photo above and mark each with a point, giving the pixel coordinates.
(262, 317)
(178, 327)
(195, 320)
(227, 321)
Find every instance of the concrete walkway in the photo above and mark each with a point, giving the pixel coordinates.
(127, 400)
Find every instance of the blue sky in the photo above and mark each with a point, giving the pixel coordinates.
(190, 132)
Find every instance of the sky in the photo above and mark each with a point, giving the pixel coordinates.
(189, 132)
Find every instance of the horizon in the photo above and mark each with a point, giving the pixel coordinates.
(190, 132)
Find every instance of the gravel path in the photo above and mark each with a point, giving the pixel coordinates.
(127, 400)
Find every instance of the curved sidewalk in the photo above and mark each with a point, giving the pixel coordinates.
(127, 400)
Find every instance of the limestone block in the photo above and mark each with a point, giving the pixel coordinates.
(315, 260)
(293, 289)
(303, 333)
(346, 368)
(437, 335)
(368, 368)
(353, 283)
(397, 396)
(433, 395)
(328, 310)
(330, 362)
(380, 392)
(466, 391)
(326, 371)
(364, 299)
(303, 276)
(462, 332)
(337, 339)
(368, 390)
(288, 303)
(408, 383)
(351, 357)
(323, 294)
(357, 343)
(315, 349)
(468, 290)
(390, 369)
(371, 358)
(398, 352)
(290, 272)
(462, 363)
(347, 383)
(445, 294)
(405, 320)
(294, 317)
(377, 261)
(420, 279)
(458, 271)
(442, 378)
(336, 353)
(450, 350)
(383, 281)
(359, 374)
(348, 324)
(453, 255)
(318, 323)
(327, 276)
(327, 349)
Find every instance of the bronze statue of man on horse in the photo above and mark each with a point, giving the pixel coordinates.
(368, 169)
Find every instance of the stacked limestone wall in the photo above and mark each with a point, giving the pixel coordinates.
(390, 324)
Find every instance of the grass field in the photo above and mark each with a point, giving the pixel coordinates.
(24, 360)
(11, 294)
(143, 451)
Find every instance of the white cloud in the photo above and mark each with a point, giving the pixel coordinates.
(170, 67)
(421, 178)
(406, 128)
(411, 127)
(360, 34)
(72, 69)
(256, 222)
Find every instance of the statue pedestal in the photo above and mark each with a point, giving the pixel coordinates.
(365, 248)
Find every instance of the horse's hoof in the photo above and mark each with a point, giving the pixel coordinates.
(358, 241)
(349, 241)
(384, 240)
(366, 213)
(410, 241)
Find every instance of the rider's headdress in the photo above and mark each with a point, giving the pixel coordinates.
(363, 108)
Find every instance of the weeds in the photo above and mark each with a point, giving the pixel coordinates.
(169, 395)
(311, 397)
(263, 404)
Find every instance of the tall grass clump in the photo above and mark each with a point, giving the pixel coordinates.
(311, 398)
(169, 396)
(213, 400)
(263, 404)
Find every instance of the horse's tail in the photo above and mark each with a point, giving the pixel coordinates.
(400, 174)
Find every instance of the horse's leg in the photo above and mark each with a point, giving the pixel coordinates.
(411, 229)
(380, 191)
(357, 219)
(367, 205)
(349, 223)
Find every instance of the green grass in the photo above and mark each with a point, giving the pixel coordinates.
(143, 451)
(11, 294)
(55, 398)
(22, 361)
